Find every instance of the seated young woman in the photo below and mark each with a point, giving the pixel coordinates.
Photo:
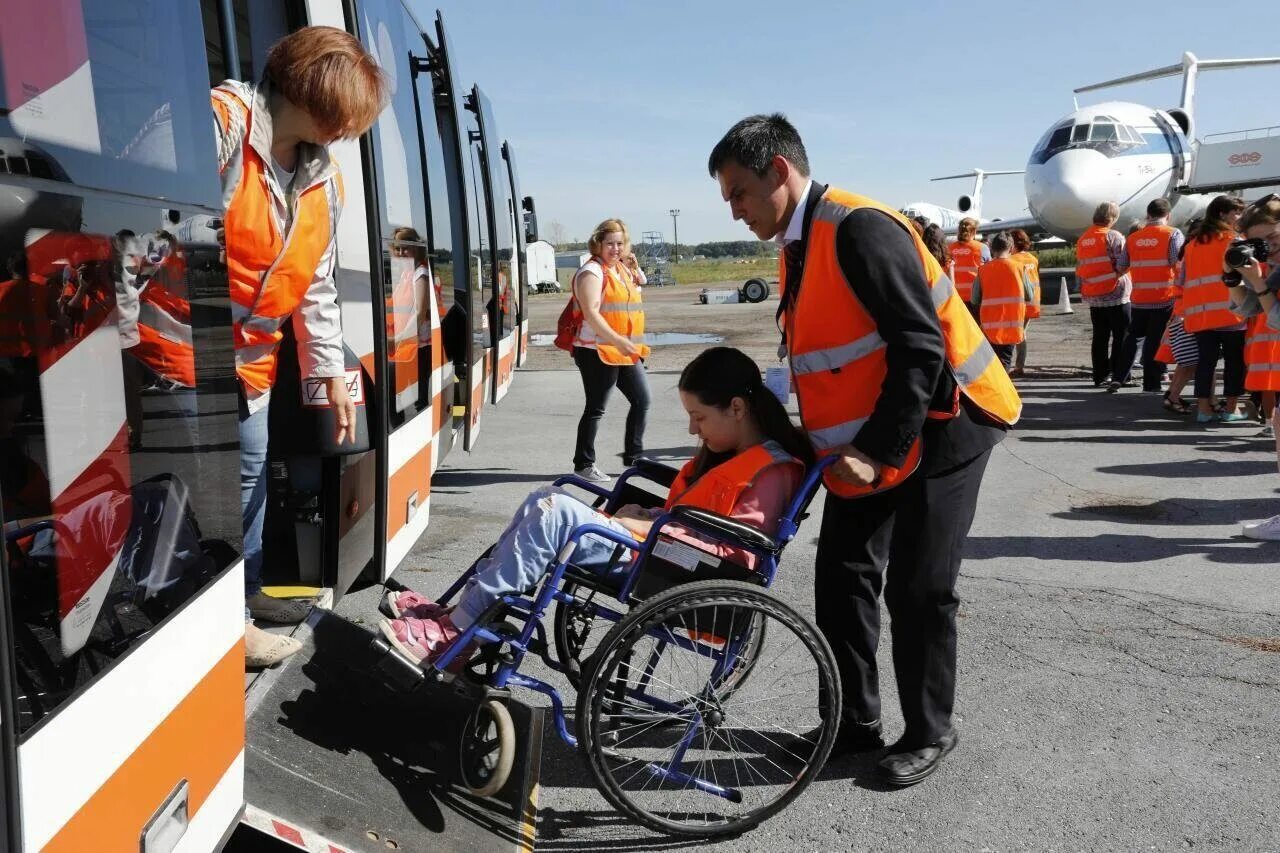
(750, 463)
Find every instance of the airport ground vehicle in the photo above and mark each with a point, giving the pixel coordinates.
(678, 713)
(122, 687)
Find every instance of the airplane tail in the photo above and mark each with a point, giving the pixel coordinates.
(1189, 68)
(971, 205)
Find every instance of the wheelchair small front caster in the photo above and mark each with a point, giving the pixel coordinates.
(487, 749)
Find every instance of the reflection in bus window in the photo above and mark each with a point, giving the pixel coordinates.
(112, 521)
(133, 74)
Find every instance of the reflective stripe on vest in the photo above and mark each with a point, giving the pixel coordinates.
(1094, 269)
(837, 354)
(269, 273)
(621, 308)
(720, 488)
(1149, 267)
(1003, 314)
(1031, 264)
(967, 257)
(1205, 301)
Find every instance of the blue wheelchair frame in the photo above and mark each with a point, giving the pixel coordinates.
(532, 636)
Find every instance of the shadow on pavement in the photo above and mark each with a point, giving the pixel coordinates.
(1193, 468)
(1117, 548)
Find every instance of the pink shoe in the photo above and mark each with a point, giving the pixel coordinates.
(421, 640)
(409, 603)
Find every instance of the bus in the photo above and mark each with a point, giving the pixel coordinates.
(122, 684)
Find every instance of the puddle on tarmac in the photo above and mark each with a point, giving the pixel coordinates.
(657, 339)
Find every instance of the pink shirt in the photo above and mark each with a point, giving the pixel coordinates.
(761, 505)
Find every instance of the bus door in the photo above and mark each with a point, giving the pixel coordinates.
(466, 333)
(411, 313)
(121, 581)
(504, 277)
(523, 236)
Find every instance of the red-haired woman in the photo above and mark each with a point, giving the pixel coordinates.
(283, 195)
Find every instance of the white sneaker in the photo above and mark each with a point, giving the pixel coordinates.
(1269, 529)
(262, 649)
(593, 474)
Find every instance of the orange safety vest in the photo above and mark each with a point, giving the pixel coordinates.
(1205, 301)
(1094, 270)
(967, 258)
(24, 316)
(838, 357)
(720, 488)
(1002, 310)
(164, 326)
(269, 273)
(1149, 267)
(1032, 265)
(1262, 354)
(620, 307)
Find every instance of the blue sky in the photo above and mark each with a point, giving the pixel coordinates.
(613, 107)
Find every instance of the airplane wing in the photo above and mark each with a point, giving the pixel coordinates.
(1027, 223)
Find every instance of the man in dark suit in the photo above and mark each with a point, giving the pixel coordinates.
(917, 528)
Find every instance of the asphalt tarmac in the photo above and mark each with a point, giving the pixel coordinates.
(1119, 640)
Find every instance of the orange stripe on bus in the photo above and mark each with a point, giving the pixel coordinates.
(413, 476)
(198, 741)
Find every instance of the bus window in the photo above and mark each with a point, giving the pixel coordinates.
(440, 253)
(114, 520)
(386, 29)
(257, 25)
(503, 314)
(119, 100)
(481, 266)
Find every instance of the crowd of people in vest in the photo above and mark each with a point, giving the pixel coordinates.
(1157, 299)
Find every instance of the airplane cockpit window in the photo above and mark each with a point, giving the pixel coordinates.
(1102, 134)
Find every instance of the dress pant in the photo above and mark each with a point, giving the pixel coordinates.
(917, 561)
(1147, 325)
(1110, 324)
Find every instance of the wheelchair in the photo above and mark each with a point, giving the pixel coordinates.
(704, 705)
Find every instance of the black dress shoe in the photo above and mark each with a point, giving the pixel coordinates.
(904, 767)
(858, 737)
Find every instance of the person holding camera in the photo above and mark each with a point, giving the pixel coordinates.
(1207, 314)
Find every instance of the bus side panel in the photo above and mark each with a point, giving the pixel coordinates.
(172, 710)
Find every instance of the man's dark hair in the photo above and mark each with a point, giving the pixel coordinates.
(755, 141)
(1158, 208)
(1001, 242)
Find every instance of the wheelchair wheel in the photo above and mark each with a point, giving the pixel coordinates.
(577, 633)
(487, 749)
(676, 742)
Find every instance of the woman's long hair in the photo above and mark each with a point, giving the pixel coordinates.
(1215, 223)
(967, 229)
(718, 375)
(935, 240)
(1021, 242)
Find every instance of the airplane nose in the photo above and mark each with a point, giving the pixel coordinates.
(1064, 192)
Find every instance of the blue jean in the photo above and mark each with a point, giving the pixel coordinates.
(528, 547)
(253, 492)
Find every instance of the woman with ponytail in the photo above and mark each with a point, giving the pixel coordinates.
(750, 463)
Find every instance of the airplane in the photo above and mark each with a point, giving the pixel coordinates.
(1115, 151)
(968, 205)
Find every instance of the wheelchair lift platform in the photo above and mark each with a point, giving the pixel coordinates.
(337, 760)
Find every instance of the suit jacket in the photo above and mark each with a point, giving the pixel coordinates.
(879, 260)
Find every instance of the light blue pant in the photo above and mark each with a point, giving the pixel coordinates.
(528, 547)
(253, 493)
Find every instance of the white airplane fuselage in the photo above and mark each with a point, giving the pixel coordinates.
(1115, 151)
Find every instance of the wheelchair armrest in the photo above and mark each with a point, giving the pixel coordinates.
(655, 471)
(729, 530)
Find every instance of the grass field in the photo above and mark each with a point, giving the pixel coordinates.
(708, 271)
